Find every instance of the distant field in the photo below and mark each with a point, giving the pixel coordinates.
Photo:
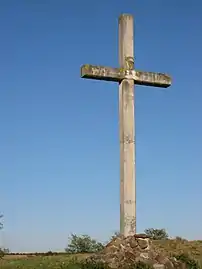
(33, 256)
(11, 257)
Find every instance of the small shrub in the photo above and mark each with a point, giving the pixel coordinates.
(1, 254)
(178, 238)
(1, 224)
(191, 263)
(141, 265)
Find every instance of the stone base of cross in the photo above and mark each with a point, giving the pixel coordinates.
(127, 77)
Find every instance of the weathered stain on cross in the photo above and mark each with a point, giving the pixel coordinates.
(127, 76)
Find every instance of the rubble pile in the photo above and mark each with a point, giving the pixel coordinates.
(123, 252)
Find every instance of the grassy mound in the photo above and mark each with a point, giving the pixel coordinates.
(177, 247)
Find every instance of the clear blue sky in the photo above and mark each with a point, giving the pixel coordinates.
(59, 139)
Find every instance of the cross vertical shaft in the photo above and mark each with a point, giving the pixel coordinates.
(127, 129)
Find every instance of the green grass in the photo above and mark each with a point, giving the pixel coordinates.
(168, 247)
(53, 262)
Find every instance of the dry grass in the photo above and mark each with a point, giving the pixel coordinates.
(15, 257)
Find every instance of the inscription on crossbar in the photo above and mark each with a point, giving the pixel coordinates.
(118, 74)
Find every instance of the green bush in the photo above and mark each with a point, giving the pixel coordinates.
(92, 265)
(156, 234)
(83, 244)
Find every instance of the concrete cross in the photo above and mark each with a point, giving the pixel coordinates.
(127, 76)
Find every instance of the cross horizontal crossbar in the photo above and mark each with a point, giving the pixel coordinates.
(118, 74)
